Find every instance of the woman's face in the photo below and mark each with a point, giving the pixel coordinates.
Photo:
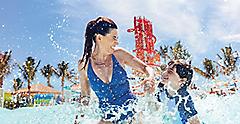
(110, 41)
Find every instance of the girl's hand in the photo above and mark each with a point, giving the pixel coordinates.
(149, 85)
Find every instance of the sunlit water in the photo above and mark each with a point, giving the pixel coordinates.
(211, 110)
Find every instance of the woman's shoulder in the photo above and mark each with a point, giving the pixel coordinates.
(120, 54)
(120, 51)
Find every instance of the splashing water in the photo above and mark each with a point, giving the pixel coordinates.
(60, 25)
(211, 109)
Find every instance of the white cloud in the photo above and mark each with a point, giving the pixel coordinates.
(225, 23)
(198, 23)
(234, 38)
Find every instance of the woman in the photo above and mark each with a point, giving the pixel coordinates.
(173, 88)
(102, 69)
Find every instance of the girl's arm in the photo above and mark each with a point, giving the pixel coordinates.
(194, 120)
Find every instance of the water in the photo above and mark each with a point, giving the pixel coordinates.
(211, 110)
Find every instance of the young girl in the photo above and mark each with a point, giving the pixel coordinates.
(175, 80)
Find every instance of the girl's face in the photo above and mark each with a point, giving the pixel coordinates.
(109, 41)
(170, 76)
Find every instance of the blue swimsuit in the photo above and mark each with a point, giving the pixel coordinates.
(114, 96)
(185, 106)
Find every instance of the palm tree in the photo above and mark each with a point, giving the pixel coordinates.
(72, 76)
(17, 84)
(178, 52)
(29, 70)
(62, 72)
(210, 69)
(164, 53)
(47, 71)
(4, 65)
(229, 60)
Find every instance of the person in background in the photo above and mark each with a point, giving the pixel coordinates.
(58, 100)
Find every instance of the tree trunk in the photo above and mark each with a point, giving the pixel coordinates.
(62, 88)
(15, 85)
(1, 82)
(29, 88)
(48, 82)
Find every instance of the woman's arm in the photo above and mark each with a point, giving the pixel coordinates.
(85, 88)
(128, 59)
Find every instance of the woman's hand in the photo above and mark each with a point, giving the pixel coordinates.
(84, 100)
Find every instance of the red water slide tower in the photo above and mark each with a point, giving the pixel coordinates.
(145, 41)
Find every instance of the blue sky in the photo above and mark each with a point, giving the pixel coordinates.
(53, 30)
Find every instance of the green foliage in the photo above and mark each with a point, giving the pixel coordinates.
(226, 65)
(5, 66)
(178, 52)
(17, 84)
(29, 68)
(209, 67)
(63, 68)
(5, 63)
(174, 52)
(228, 59)
(47, 71)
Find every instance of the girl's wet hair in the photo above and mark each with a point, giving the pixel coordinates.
(184, 71)
(101, 25)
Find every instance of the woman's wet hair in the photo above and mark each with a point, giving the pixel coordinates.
(101, 25)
